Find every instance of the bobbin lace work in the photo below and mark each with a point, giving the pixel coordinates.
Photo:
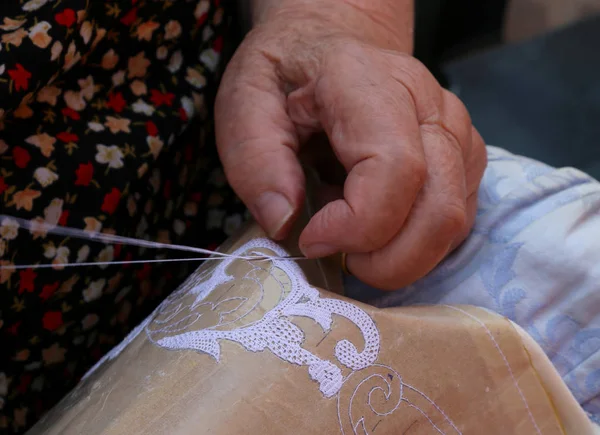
(260, 320)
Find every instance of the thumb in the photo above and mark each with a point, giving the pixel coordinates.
(258, 143)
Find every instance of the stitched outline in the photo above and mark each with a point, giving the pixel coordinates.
(512, 375)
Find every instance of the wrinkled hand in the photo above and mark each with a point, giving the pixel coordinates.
(413, 160)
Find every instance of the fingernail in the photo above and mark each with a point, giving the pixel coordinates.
(274, 211)
(318, 250)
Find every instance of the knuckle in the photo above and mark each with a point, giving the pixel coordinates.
(417, 165)
(452, 218)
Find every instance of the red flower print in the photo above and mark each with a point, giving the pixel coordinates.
(14, 329)
(64, 216)
(3, 185)
(66, 18)
(48, 291)
(151, 128)
(128, 257)
(27, 277)
(196, 197)
(158, 98)
(67, 137)
(24, 384)
(52, 320)
(182, 114)
(188, 153)
(116, 102)
(218, 44)
(70, 113)
(21, 157)
(20, 76)
(202, 19)
(167, 189)
(144, 272)
(129, 18)
(111, 201)
(84, 173)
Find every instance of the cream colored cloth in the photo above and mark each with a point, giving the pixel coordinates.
(249, 347)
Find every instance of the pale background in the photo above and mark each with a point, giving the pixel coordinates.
(528, 18)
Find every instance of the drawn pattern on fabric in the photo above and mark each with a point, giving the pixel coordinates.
(259, 320)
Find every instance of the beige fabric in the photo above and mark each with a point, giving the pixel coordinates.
(448, 370)
(459, 370)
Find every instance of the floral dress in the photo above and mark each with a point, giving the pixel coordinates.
(105, 125)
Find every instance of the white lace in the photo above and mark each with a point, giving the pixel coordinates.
(172, 326)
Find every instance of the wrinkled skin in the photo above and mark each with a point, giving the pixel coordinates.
(412, 158)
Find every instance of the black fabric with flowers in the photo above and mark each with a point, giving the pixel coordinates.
(105, 125)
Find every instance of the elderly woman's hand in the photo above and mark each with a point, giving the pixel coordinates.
(413, 159)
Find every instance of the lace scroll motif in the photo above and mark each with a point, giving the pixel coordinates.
(260, 321)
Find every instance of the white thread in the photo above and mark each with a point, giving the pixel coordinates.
(489, 333)
(274, 331)
(110, 238)
(425, 415)
(410, 387)
(108, 263)
(171, 326)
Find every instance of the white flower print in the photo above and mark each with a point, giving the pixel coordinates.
(118, 78)
(94, 291)
(188, 106)
(39, 34)
(92, 225)
(175, 62)
(140, 106)
(62, 257)
(83, 254)
(45, 176)
(2, 69)
(9, 229)
(53, 211)
(195, 78)
(50, 251)
(210, 58)
(105, 256)
(95, 126)
(178, 227)
(34, 5)
(59, 256)
(155, 145)
(110, 155)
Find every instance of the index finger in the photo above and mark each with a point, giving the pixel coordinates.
(373, 127)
